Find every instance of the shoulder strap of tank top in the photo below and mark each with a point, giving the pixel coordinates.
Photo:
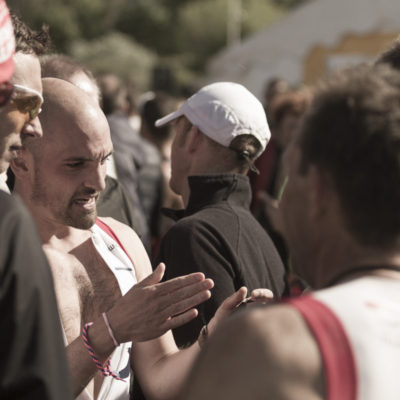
(339, 365)
(103, 226)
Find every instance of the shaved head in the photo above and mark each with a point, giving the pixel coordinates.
(67, 109)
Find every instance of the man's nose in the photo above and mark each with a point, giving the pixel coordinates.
(33, 129)
(96, 179)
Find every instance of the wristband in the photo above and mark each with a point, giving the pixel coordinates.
(110, 331)
(105, 370)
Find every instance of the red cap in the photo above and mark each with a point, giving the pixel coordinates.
(7, 44)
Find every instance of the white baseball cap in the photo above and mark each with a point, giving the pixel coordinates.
(222, 111)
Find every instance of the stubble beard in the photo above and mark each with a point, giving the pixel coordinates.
(63, 214)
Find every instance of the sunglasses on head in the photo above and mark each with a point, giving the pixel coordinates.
(27, 101)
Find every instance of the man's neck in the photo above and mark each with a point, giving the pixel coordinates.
(351, 260)
(56, 234)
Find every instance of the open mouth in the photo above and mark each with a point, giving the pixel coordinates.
(86, 202)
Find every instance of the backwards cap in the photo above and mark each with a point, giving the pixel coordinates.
(7, 43)
(222, 111)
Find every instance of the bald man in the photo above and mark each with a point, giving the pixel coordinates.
(96, 263)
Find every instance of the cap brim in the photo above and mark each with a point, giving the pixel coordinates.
(168, 118)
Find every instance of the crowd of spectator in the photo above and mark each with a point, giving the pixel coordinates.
(208, 247)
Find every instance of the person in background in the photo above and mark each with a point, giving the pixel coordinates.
(341, 212)
(32, 354)
(286, 111)
(129, 152)
(219, 133)
(153, 107)
(267, 162)
(391, 55)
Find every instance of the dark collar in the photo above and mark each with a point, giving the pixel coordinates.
(206, 190)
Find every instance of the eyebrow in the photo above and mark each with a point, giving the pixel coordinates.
(72, 159)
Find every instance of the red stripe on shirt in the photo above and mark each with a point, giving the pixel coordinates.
(103, 226)
(334, 345)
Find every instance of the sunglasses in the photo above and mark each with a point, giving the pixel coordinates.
(27, 101)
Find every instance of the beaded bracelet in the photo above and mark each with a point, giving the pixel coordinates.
(105, 370)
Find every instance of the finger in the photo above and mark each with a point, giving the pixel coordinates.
(186, 292)
(181, 319)
(154, 277)
(187, 303)
(235, 299)
(181, 282)
(262, 294)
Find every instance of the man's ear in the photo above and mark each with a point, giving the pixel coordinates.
(20, 165)
(194, 139)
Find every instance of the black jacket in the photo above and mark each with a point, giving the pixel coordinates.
(218, 235)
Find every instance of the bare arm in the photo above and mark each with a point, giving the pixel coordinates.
(267, 353)
(158, 363)
(162, 368)
(81, 366)
(147, 311)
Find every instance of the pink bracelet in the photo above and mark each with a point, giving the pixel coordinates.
(110, 331)
(106, 371)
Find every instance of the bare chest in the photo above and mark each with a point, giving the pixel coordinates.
(85, 286)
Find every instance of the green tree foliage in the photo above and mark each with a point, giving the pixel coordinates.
(289, 3)
(179, 34)
(151, 24)
(119, 54)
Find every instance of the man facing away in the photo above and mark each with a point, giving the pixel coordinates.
(220, 131)
(342, 224)
(97, 263)
(31, 349)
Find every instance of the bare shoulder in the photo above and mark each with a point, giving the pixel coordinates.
(267, 352)
(133, 246)
(121, 230)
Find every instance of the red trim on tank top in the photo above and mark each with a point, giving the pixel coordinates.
(104, 227)
(339, 365)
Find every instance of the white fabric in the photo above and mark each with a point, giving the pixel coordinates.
(369, 310)
(123, 270)
(3, 182)
(111, 168)
(222, 111)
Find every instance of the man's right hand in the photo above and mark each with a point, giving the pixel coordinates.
(151, 308)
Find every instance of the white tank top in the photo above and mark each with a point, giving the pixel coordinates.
(113, 254)
(357, 327)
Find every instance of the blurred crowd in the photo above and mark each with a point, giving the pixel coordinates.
(137, 229)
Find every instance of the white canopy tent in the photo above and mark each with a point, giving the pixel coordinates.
(282, 49)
